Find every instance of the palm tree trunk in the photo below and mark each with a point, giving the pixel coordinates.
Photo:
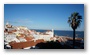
(73, 38)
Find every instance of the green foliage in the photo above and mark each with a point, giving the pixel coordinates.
(74, 20)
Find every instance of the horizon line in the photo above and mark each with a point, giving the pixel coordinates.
(56, 29)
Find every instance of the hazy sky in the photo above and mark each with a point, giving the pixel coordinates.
(42, 16)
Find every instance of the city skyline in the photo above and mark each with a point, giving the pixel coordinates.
(42, 16)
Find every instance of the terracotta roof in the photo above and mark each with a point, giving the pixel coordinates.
(25, 44)
(28, 38)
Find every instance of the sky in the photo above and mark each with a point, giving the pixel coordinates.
(42, 16)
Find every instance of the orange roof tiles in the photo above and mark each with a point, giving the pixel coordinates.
(25, 44)
(28, 38)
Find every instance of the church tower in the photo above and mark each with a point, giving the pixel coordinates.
(52, 33)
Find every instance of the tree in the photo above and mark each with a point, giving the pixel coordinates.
(74, 21)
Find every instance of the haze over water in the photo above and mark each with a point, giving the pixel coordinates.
(65, 33)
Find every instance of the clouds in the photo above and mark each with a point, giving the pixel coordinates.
(26, 21)
(22, 21)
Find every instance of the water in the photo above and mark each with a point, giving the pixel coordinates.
(69, 33)
(66, 33)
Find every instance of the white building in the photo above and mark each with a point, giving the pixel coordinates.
(10, 37)
(46, 36)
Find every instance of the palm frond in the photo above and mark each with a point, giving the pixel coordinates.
(79, 17)
(75, 20)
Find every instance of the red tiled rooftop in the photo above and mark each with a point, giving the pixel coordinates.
(28, 38)
(25, 44)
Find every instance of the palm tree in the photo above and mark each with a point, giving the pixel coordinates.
(74, 21)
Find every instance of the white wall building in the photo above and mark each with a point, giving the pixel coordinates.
(10, 37)
(46, 36)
